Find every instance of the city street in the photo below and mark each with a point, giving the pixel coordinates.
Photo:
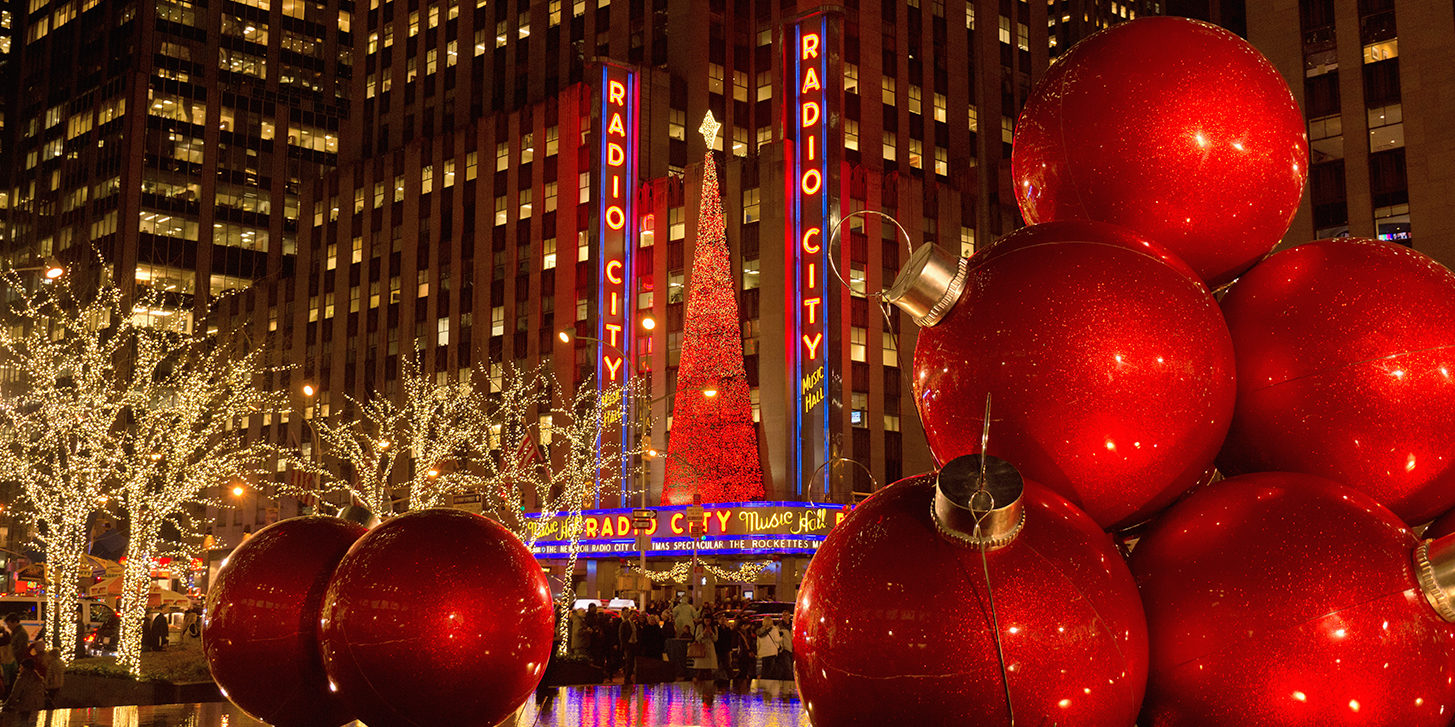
(764, 703)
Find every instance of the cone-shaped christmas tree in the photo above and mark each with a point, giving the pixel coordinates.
(712, 453)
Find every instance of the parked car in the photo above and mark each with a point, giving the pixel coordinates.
(92, 615)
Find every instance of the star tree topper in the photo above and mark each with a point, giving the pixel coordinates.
(709, 129)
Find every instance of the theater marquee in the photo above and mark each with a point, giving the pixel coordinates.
(730, 529)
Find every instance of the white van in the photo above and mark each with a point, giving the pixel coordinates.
(32, 612)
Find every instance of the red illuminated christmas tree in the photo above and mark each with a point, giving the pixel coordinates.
(712, 453)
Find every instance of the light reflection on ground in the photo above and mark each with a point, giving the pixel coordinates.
(683, 704)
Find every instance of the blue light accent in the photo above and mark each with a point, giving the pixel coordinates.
(823, 37)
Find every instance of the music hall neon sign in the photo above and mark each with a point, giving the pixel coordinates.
(806, 119)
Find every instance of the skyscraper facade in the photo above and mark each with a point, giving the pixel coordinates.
(1373, 80)
(174, 136)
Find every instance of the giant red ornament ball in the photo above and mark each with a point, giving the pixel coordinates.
(893, 621)
(437, 617)
(1287, 599)
(1109, 362)
(260, 633)
(1174, 128)
(1346, 369)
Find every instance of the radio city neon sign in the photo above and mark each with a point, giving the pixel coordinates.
(618, 175)
(810, 119)
(807, 122)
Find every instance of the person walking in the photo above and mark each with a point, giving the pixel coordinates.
(684, 617)
(159, 632)
(55, 676)
(19, 647)
(702, 651)
(8, 666)
(191, 624)
(27, 697)
(629, 636)
(773, 642)
(578, 636)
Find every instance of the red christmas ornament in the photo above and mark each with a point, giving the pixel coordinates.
(260, 635)
(1287, 599)
(1346, 350)
(1174, 128)
(437, 617)
(1110, 364)
(894, 625)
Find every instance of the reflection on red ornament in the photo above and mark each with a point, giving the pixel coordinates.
(260, 635)
(437, 617)
(893, 623)
(1109, 362)
(1289, 600)
(1174, 128)
(1346, 369)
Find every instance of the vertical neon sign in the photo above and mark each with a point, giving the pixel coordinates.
(616, 232)
(806, 127)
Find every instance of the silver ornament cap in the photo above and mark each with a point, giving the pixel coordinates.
(962, 501)
(929, 284)
(1435, 568)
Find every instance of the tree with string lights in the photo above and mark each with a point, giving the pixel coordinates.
(61, 417)
(414, 452)
(185, 437)
(715, 434)
(107, 409)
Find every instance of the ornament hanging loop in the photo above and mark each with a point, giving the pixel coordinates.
(834, 237)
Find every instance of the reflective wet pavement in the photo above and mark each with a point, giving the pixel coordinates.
(682, 704)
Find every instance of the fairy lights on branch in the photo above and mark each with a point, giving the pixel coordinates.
(678, 573)
(109, 407)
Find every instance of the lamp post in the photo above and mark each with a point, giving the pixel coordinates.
(52, 268)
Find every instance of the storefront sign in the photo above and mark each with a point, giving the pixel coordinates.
(756, 526)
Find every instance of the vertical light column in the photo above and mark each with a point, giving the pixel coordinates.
(616, 234)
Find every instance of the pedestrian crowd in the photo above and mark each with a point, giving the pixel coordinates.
(32, 674)
(719, 641)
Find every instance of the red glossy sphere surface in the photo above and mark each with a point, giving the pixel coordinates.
(1287, 599)
(260, 634)
(1175, 128)
(1346, 369)
(892, 624)
(1111, 369)
(437, 617)
(1442, 526)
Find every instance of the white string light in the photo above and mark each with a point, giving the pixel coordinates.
(111, 407)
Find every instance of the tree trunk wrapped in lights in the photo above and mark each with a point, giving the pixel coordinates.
(186, 430)
(713, 445)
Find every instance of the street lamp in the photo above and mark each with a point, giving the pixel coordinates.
(52, 268)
